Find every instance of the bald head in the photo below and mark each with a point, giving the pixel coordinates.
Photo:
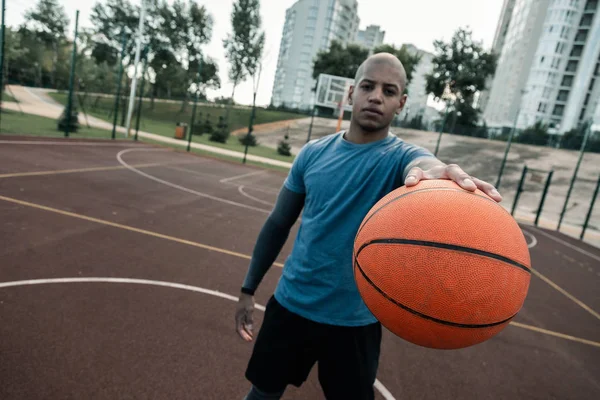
(380, 59)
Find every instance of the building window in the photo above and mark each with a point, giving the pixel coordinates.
(592, 81)
(577, 50)
(563, 95)
(547, 92)
(555, 63)
(581, 36)
(572, 66)
(559, 109)
(567, 81)
(587, 99)
(542, 107)
(591, 5)
(582, 114)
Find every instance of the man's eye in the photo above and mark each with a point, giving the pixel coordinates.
(367, 87)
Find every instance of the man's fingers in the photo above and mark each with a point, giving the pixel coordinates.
(464, 180)
(413, 177)
(488, 189)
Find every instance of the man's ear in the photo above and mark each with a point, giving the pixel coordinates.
(350, 93)
(402, 103)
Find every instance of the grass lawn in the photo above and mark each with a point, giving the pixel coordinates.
(15, 123)
(171, 113)
(7, 97)
(165, 126)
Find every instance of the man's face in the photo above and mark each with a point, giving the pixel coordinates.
(377, 97)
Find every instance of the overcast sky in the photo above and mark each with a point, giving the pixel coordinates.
(417, 22)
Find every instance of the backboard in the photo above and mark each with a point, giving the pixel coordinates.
(332, 90)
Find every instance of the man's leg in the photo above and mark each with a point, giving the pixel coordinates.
(284, 352)
(348, 362)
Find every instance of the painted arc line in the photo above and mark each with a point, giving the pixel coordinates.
(580, 250)
(533, 242)
(233, 178)
(183, 188)
(378, 385)
(243, 193)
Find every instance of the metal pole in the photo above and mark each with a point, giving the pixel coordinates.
(139, 110)
(519, 190)
(3, 27)
(138, 49)
(508, 144)
(72, 77)
(253, 114)
(117, 98)
(546, 187)
(312, 118)
(437, 146)
(589, 214)
(581, 151)
(198, 78)
(250, 127)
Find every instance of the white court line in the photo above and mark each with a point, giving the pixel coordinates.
(182, 188)
(378, 385)
(206, 174)
(233, 178)
(95, 144)
(241, 190)
(533, 242)
(578, 249)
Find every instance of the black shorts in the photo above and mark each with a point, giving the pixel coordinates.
(288, 346)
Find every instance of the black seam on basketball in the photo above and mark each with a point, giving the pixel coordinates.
(425, 316)
(418, 191)
(446, 246)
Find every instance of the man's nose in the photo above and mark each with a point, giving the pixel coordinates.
(376, 96)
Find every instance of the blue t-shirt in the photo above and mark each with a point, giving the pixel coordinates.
(342, 182)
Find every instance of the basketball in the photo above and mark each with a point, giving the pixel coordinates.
(441, 267)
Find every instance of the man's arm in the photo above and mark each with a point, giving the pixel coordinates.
(271, 239)
(428, 167)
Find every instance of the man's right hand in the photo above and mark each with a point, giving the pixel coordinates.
(243, 316)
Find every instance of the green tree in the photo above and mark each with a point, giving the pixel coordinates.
(339, 60)
(48, 21)
(461, 67)
(409, 61)
(536, 134)
(244, 46)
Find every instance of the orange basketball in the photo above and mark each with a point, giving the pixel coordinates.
(440, 266)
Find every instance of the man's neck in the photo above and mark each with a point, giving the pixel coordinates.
(357, 135)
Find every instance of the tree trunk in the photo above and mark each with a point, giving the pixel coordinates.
(154, 90)
(228, 109)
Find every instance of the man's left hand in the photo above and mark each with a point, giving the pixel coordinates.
(454, 173)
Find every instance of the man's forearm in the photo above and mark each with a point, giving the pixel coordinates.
(273, 236)
(270, 241)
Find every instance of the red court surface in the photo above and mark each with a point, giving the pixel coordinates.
(120, 263)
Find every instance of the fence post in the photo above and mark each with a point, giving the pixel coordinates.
(199, 77)
(72, 78)
(519, 190)
(123, 44)
(581, 152)
(437, 146)
(546, 187)
(589, 214)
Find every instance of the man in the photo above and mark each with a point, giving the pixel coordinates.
(316, 314)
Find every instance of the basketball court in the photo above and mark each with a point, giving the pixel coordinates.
(121, 263)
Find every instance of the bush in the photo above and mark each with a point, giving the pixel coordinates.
(73, 123)
(221, 134)
(284, 148)
(248, 139)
